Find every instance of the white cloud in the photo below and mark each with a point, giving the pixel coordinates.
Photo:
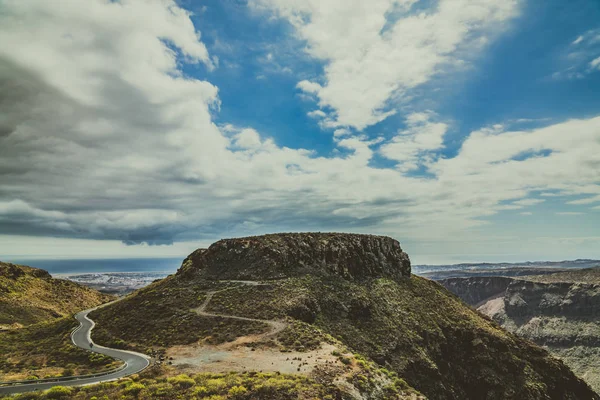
(309, 87)
(528, 202)
(581, 57)
(104, 137)
(569, 213)
(411, 146)
(341, 132)
(317, 114)
(587, 200)
(372, 59)
(19, 207)
(247, 139)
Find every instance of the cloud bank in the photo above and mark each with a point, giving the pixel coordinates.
(103, 136)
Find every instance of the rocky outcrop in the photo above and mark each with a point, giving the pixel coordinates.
(351, 256)
(566, 299)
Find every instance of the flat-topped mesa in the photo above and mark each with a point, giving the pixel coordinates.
(276, 256)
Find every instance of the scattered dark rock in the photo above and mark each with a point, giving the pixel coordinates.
(304, 309)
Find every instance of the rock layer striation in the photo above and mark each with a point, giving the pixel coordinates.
(351, 256)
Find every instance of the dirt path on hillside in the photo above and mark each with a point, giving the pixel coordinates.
(276, 326)
(236, 356)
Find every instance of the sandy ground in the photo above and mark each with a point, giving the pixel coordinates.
(223, 358)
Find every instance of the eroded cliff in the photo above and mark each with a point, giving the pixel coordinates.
(275, 256)
(558, 311)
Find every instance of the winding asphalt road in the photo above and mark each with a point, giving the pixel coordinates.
(134, 362)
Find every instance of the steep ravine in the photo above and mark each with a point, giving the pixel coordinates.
(561, 313)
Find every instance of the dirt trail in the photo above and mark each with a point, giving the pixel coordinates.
(276, 326)
(236, 356)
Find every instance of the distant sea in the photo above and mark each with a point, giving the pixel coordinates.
(70, 266)
(170, 265)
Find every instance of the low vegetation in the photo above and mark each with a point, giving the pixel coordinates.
(30, 295)
(234, 386)
(424, 334)
(388, 332)
(162, 383)
(45, 350)
(172, 320)
(412, 327)
(300, 336)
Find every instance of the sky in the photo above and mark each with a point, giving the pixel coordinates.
(469, 130)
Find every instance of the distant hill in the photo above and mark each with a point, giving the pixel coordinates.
(579, 263)
(586, 275)
(439, 272)
(30, 295)
(314, 295)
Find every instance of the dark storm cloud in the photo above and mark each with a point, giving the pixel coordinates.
(18, 91)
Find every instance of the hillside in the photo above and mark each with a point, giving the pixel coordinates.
(341, 309)
(558, 311)
(30, 295)
(40, 309)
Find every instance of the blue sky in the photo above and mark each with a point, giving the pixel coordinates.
(509, 80)
(469, 130)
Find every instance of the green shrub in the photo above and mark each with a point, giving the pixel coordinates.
(182, 381)
(59, 392)
(134, 388)
(29, 396)
(237, 392)
(345, 360)
(215, 385)
(200, 391)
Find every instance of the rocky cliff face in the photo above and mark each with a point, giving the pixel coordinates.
(351, 256)
(477, 289)
(566, 299)
(559, 312)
